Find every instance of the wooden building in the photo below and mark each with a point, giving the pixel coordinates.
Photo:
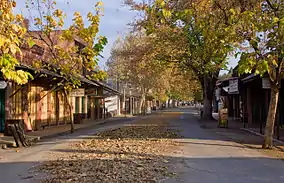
(42, 105)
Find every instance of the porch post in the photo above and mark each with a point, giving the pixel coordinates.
(104, 108)
(118, 105)
(80, 105)
(130, 106)
(92, 103)
(86, 105)
(73, 102)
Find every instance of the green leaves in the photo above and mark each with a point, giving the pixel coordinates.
(11, 36)
(261, 26)
(71, 50)
(31, 42)
(166, 13)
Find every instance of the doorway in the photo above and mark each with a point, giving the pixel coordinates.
(2, 111)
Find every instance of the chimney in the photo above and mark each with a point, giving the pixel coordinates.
(26, 24)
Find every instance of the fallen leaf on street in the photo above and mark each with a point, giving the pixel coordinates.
(127, 154)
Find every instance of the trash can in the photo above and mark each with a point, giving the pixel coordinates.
(223, 118)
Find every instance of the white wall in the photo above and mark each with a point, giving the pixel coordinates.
(112, 104)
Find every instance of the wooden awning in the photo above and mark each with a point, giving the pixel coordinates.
(250, 78)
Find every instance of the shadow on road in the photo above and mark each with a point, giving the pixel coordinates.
(209, 156)
(192, 170)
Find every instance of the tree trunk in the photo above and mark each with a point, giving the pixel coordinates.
(269, 128)
(70, 112)
(142, 104)
(25, 102)
(208, 90)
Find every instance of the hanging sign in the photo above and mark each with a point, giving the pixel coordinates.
(78, 92)
(234, 86)
(265, 83)
(3, 84)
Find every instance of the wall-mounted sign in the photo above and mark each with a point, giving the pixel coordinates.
(78, 92)
(91, 92)
(234, 86)
(265, 83)
(3, 84)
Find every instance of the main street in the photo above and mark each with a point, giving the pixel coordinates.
(199, 155)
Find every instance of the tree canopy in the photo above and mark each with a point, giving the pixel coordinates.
(12, 34)
(146, 62)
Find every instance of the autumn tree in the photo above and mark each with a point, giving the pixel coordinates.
(131, 63)
(183, 85)
(261, 32)
(69, 49)
(11, 38)
(205, 37)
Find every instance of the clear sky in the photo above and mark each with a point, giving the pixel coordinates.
(113, 23)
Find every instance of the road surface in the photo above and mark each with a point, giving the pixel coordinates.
(204, 157)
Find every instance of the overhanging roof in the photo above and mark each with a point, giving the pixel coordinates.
(249, 78)
(85, 80)
(107, 88)
(81, 78)
(224, 82)
(44, 71)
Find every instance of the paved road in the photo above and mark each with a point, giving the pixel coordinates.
(17, 166)
(205, 156)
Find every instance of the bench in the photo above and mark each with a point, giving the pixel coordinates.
(16, 128)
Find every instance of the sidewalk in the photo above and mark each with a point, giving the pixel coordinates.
(49, 132)
(245, 136)
(253, 129)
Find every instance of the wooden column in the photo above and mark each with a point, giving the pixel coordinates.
(80, 105)
(86, 105)
(56, 102)
(104, 109)
(118, 105)
(49, 108)
(98, 106)
(130, 106)
(38, 106)
(92, 103)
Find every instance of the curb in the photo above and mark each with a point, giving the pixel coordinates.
(129, 119)
(82, 128)
(67, 132)
(260, 135)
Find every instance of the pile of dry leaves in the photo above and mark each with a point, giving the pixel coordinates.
(128, 154)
